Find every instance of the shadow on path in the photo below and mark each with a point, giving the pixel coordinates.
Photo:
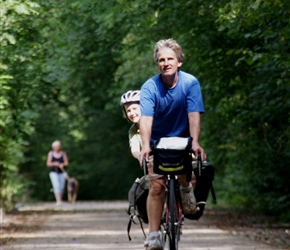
(103, 225)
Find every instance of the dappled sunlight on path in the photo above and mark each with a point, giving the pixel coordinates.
(103, 225)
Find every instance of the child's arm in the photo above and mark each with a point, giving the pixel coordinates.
(135, 148)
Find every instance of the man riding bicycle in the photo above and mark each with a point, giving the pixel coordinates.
(171, 104)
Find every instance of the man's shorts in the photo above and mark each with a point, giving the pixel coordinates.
(151, 175)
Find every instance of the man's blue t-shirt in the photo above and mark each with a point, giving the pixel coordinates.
(169, 107)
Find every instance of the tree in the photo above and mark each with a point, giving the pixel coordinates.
(86, 54)
(21, 89)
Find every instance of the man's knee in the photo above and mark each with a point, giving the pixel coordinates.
(157, 187)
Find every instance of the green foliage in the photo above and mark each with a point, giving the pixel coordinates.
(65, 65)
(254, 106)
(20, 90)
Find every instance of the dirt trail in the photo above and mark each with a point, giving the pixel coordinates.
(102, 225)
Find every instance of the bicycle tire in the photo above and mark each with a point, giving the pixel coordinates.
(173, 213)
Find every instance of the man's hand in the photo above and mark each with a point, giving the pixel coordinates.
(198, 149)
(144, 153)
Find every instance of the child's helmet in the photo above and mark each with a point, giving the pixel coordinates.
(130, 96)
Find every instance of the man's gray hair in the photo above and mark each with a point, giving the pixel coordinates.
(168, 43)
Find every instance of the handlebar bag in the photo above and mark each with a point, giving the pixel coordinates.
(172, 155)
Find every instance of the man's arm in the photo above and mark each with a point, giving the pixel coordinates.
(194, 129)
(145, 132)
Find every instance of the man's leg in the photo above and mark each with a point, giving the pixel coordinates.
(155, 202)
(187, 194)
(184, 183)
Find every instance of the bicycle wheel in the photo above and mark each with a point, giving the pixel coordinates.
(173, 242)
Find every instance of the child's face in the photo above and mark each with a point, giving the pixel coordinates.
(133, 112)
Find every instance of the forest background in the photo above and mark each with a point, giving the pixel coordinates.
(64, 65)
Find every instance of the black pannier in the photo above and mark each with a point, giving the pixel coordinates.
(204, 183)
(137, 197)
(172, 155)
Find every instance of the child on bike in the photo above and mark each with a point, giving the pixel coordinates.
(130, 102)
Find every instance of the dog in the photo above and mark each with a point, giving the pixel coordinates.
(72, 189)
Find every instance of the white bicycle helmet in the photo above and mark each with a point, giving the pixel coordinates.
(130, 96)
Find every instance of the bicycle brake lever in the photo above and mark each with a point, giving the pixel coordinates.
(144, 166)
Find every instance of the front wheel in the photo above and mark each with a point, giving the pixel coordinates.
(173, 241)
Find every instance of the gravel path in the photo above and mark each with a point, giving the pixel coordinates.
(103, 225)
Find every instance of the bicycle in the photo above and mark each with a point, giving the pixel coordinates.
(173, 216)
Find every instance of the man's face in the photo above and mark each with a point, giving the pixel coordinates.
(133, 112)
(167, 62)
